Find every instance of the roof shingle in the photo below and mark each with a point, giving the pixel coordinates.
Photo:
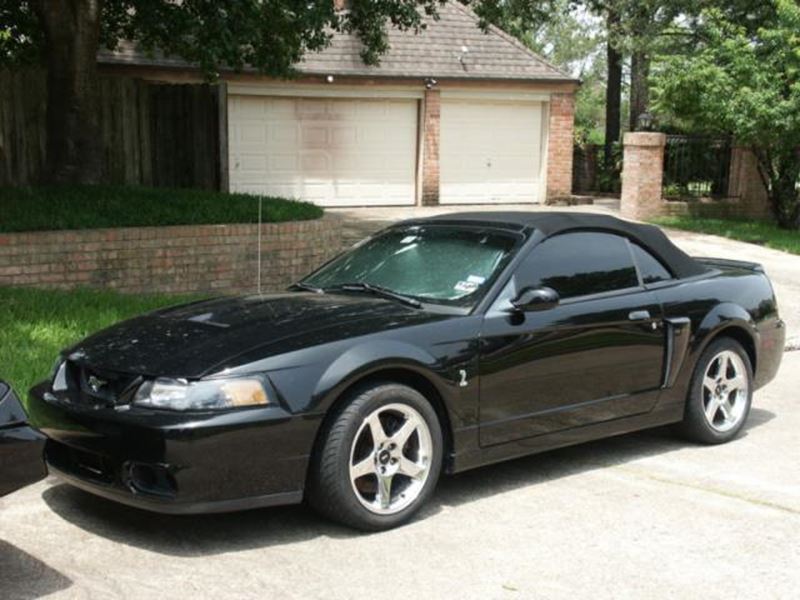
(434, 52)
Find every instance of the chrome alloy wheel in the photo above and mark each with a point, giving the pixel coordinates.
(725, 390)
(390, 459)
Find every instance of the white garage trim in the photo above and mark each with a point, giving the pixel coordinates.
(517, 96)
(318, 91)
(492, 150)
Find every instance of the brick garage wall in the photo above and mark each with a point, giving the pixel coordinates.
(205, 258)
(431, 111)
(560, 146)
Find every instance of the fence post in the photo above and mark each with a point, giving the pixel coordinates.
(745, 184)
(642, 175)
(222, 112)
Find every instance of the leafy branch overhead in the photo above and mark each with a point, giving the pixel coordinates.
(269, 35)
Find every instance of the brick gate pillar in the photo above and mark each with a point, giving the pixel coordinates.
(642, 175)
(746, 185)
(431, 111)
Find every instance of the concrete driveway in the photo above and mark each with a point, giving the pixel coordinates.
(639, 516)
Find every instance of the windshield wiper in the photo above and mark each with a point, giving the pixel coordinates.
(362, 286)
(306, 287)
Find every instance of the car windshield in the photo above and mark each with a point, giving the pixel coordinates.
(434, 264)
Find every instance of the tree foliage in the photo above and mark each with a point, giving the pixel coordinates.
(744, 79)
(269, 35)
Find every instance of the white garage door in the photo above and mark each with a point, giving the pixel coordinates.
(330, 151)
(491, 151)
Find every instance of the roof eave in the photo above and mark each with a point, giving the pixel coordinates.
(180, 66)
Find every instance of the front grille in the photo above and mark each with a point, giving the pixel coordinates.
(81, 463)
(90, 386)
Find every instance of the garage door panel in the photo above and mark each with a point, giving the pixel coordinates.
(335, 152)
(342, 137)
(256, 163)
(490, 151)
(280, 133)
(282, 163)
(253, 135)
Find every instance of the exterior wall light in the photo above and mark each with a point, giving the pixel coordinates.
(645, 122)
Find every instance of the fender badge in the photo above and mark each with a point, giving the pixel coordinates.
(463, 382)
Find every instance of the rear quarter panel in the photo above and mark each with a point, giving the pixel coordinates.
(729, 299)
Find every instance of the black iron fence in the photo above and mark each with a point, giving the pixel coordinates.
(592, 173)
(697, 166)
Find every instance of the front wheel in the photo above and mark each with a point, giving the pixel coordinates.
(379, 459)
(720, 394)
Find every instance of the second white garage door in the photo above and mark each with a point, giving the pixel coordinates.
(330, 151)
(491, 151)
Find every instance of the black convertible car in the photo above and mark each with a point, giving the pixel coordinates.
(435, 345)
(20, 446)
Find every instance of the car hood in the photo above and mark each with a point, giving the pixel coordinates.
(191, 340)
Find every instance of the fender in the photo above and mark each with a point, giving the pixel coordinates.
(723, 316)
(373, 356)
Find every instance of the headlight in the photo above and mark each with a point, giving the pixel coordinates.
(213, 394)
(59, 376)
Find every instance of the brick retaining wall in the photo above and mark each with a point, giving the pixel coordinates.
(194, 258)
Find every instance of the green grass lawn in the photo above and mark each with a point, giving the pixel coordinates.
(88, 207)
(758, 232)
(36, 324)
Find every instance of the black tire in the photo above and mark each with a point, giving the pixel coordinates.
(329, 489)
(695, 425)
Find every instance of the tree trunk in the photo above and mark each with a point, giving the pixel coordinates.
(783, 197)
(74, 148)
(780, 175)
(613, 93)
(640, 90)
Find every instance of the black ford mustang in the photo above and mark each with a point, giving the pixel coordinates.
(436, 344)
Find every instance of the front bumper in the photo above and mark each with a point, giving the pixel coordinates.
(177, 462)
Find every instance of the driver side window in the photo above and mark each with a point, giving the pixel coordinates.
(579, 264)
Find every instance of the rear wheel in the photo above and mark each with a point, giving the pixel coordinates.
(379, 459)
(720, 395)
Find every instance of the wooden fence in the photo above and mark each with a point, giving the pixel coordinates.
(153, 134)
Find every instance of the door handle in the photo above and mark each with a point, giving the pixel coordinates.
(639, 315)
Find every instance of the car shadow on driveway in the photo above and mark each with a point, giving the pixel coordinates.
(24, 577)
(206, 535)
(572, 460)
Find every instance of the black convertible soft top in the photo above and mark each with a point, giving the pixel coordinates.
(552, 223)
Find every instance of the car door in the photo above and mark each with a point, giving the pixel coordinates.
(597, 355)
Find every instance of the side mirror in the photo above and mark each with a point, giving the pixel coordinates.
(532, 299)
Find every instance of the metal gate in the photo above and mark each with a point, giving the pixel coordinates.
(697, 166)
